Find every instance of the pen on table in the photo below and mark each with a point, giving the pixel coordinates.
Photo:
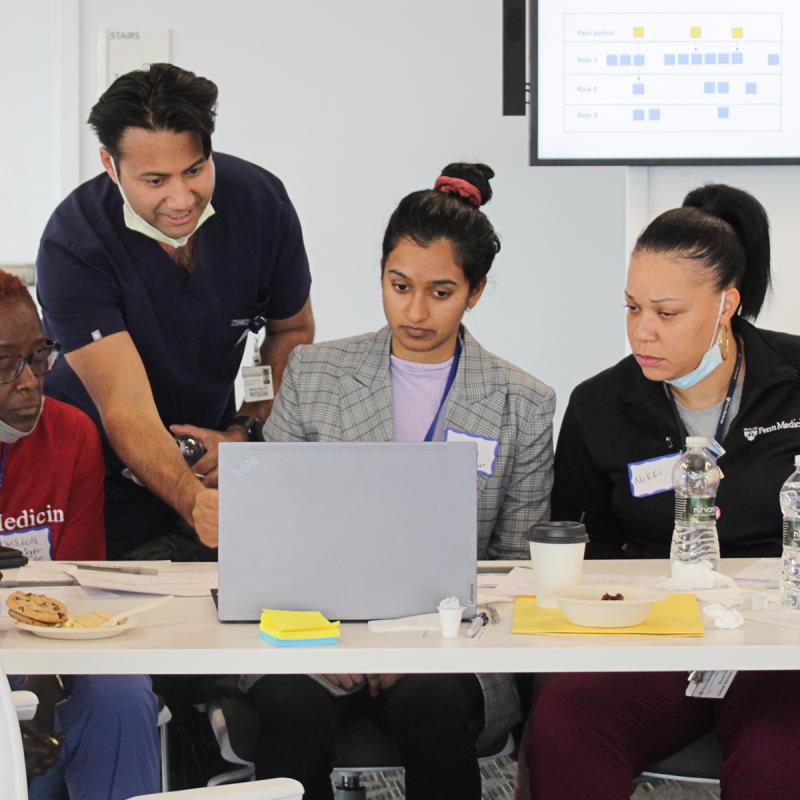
(127, 570)
(477, 623)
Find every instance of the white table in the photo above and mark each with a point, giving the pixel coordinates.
(184, 637)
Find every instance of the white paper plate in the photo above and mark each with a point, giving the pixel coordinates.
(79, 633)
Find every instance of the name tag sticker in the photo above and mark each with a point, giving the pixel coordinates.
(257, 384)
(487, 448)
(652, 476)
(34, 543)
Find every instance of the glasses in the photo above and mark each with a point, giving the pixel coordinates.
(40, 361)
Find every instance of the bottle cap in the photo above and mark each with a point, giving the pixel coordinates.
(696, 441)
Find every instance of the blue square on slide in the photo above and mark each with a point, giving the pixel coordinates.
(611, 61)
(773, 59)
(722, 113)
(710, 58)
(638, 60)
(654, 113)
(697, 58)
(683, 58)
(723, 58)
(669, 60)
(709, 87)
(638, 88)
(624, 61)
(638, 114)
(723, 87)
(737, 58)
(750, 88)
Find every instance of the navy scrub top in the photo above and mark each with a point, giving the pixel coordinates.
(96, 277)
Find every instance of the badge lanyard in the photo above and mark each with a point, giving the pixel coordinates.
(726, 405)
(447, 387)
(3, 462)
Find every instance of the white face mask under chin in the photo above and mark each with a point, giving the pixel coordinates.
(10, 435)
(136, 223)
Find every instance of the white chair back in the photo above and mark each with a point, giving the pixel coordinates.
(13, 780)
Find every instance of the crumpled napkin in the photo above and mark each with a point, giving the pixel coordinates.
(686, 577)
(722, 616)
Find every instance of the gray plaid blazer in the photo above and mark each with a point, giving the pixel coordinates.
(341, 392)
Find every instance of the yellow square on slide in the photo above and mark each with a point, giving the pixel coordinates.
(737, 33)
(695, 32)
(638, 32)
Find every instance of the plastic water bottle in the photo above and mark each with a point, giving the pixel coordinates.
(695, 478)
(790, 562)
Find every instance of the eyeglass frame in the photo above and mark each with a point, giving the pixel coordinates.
(54, 347)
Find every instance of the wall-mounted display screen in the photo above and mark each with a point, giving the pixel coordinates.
(646, 82)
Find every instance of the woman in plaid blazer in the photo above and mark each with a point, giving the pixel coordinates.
(421, 378)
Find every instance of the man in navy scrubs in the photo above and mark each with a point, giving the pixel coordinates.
(151, 275)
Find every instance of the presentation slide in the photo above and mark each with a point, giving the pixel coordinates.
(644, 82)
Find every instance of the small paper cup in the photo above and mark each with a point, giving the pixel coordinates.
(450, 620)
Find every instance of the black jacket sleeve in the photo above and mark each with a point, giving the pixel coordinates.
(581, 490)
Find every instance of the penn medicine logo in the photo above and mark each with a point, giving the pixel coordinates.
(751, 433)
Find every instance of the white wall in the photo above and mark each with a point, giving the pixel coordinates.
(354, 103)
(28, 183)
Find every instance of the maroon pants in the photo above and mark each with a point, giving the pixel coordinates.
(589, 735)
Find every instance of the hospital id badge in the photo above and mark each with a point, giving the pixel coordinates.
(257, 383)
(712, 684)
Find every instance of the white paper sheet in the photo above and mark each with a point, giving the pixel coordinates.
(764, 570)
(180, 582)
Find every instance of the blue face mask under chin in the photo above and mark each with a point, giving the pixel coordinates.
(711, 359)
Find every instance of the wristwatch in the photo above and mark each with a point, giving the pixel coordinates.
(252, 425)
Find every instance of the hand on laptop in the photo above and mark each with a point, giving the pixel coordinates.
(381, 683)
(346, 681)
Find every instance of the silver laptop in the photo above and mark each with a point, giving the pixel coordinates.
(356, 531)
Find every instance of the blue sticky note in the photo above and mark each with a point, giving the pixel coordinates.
(722, 113)
(750, 88)
(611, 61)
(638, 114)
(722, 87)
(737, 58)
(654, 113)
(773, 59)
(723, 58)
(709, 87)
(697, 58)
(669, 59)
(711, 58)
(625, 61)
(683, 58)
(638, 88)
(296, 642)
(638, 60)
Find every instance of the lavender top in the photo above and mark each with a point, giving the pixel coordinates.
(416, 394)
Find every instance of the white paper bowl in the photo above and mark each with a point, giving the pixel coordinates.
(583, 605)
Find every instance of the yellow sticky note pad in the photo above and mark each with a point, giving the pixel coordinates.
(695, 32)
(638, 32)
(297, 624)
(737, 33)
(678, 615)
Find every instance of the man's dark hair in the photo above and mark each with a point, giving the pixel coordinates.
(162, 98)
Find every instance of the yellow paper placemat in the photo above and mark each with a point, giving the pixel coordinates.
(678, 615)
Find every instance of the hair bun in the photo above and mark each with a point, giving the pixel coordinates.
(464, 178)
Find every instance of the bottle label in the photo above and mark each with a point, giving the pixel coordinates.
(696, 510)
(791, 532)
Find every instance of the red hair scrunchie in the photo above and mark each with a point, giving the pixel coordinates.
(460, 187)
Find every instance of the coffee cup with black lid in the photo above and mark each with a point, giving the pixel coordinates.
(557, 550)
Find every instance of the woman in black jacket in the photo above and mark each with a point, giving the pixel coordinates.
(697, 368)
